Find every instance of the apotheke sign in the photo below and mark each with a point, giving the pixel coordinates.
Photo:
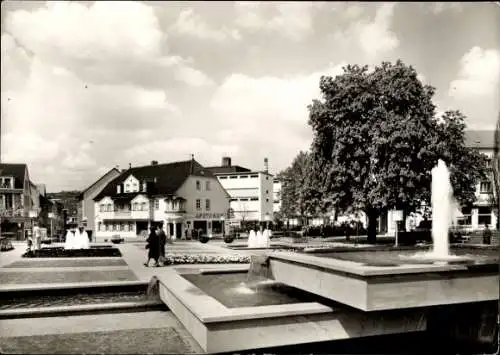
(208, 215)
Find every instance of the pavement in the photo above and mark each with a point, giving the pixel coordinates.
(155, 332)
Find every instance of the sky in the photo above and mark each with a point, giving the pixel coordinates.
(88, 86)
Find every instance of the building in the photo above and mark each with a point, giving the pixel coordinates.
(482, 212)
(86, 211)
(276, 195)
(18, 197)
(251, 191)
(184, 198)
(52, 216)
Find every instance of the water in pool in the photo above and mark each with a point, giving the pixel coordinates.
(233, 290)
(73, 299)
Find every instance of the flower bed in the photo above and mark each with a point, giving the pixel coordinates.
(73, 253)
(180, 259)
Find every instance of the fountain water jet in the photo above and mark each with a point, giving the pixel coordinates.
(441, 202)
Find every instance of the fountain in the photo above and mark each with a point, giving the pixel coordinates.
(336, 295)
(258, 240)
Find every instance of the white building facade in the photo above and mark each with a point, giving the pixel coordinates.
(184, 198)
(251, 192)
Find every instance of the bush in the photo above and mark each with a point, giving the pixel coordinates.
(228, 239)
(204, 239)
(345, 229)
(116, 239)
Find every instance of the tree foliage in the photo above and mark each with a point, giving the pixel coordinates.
(294, 202)
(496, 170)
(376, 139)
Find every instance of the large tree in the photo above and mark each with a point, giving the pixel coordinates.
(496, 170)
(294, 202)
(376, 139)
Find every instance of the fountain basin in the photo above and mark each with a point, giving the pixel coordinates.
(374, 281)
(284, 316)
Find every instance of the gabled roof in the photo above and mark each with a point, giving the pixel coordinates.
(80, 197)
(18, 171)
(228, 169)
(163, 179)
(480, 139)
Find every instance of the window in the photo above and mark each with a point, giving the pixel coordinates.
(267, 200)
(101, 208)
(254, 199)
(254, 176)
(126, 227)
(127, 188)
(198, 204)
(207, 204)
(122, 227)
(267, 191)
(110, 208)
(106, 227)
(114, 227)
(99, 226)
(198, 185)
(233, 177)
(207, 185)
(484, 216)
(244, 177)
(267, 177)
(485, 187)
(223, 177)
(143, 206)
(131, 226)
(233, 200)
(135, 206)
(157, 204)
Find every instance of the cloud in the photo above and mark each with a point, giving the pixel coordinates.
(440, 7)
(291, 19)
(476, 91)
(375, 37)
(179, 148)
(191, 24)
(98, 42)
(74, 74)
(479, 74)
(267, 111)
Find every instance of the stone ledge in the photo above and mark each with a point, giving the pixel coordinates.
(78, 309)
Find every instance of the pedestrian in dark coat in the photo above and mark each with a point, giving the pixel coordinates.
(153, 247)
(162, 240)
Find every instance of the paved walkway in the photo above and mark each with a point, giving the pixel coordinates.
(155, 332)
(135, 255)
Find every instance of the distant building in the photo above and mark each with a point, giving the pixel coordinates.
(18, 197)
(482, 211)
(86, 211)
(184, 198)
(251, 191)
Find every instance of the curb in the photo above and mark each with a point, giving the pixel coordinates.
(81, 309)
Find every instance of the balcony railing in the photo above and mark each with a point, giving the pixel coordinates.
(141, 214)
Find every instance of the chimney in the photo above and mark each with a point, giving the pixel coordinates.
(154, 162)
(226, 161)
(266, 165)
(130, 165)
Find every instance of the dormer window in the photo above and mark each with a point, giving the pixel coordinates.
(118, 189)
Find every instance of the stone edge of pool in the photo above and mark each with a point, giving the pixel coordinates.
(15, 288)
(80, 309)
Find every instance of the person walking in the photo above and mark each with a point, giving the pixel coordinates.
(486, 234)
(152, 246)
(162, 240)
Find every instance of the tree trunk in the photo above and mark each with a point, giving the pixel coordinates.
(372, 226)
